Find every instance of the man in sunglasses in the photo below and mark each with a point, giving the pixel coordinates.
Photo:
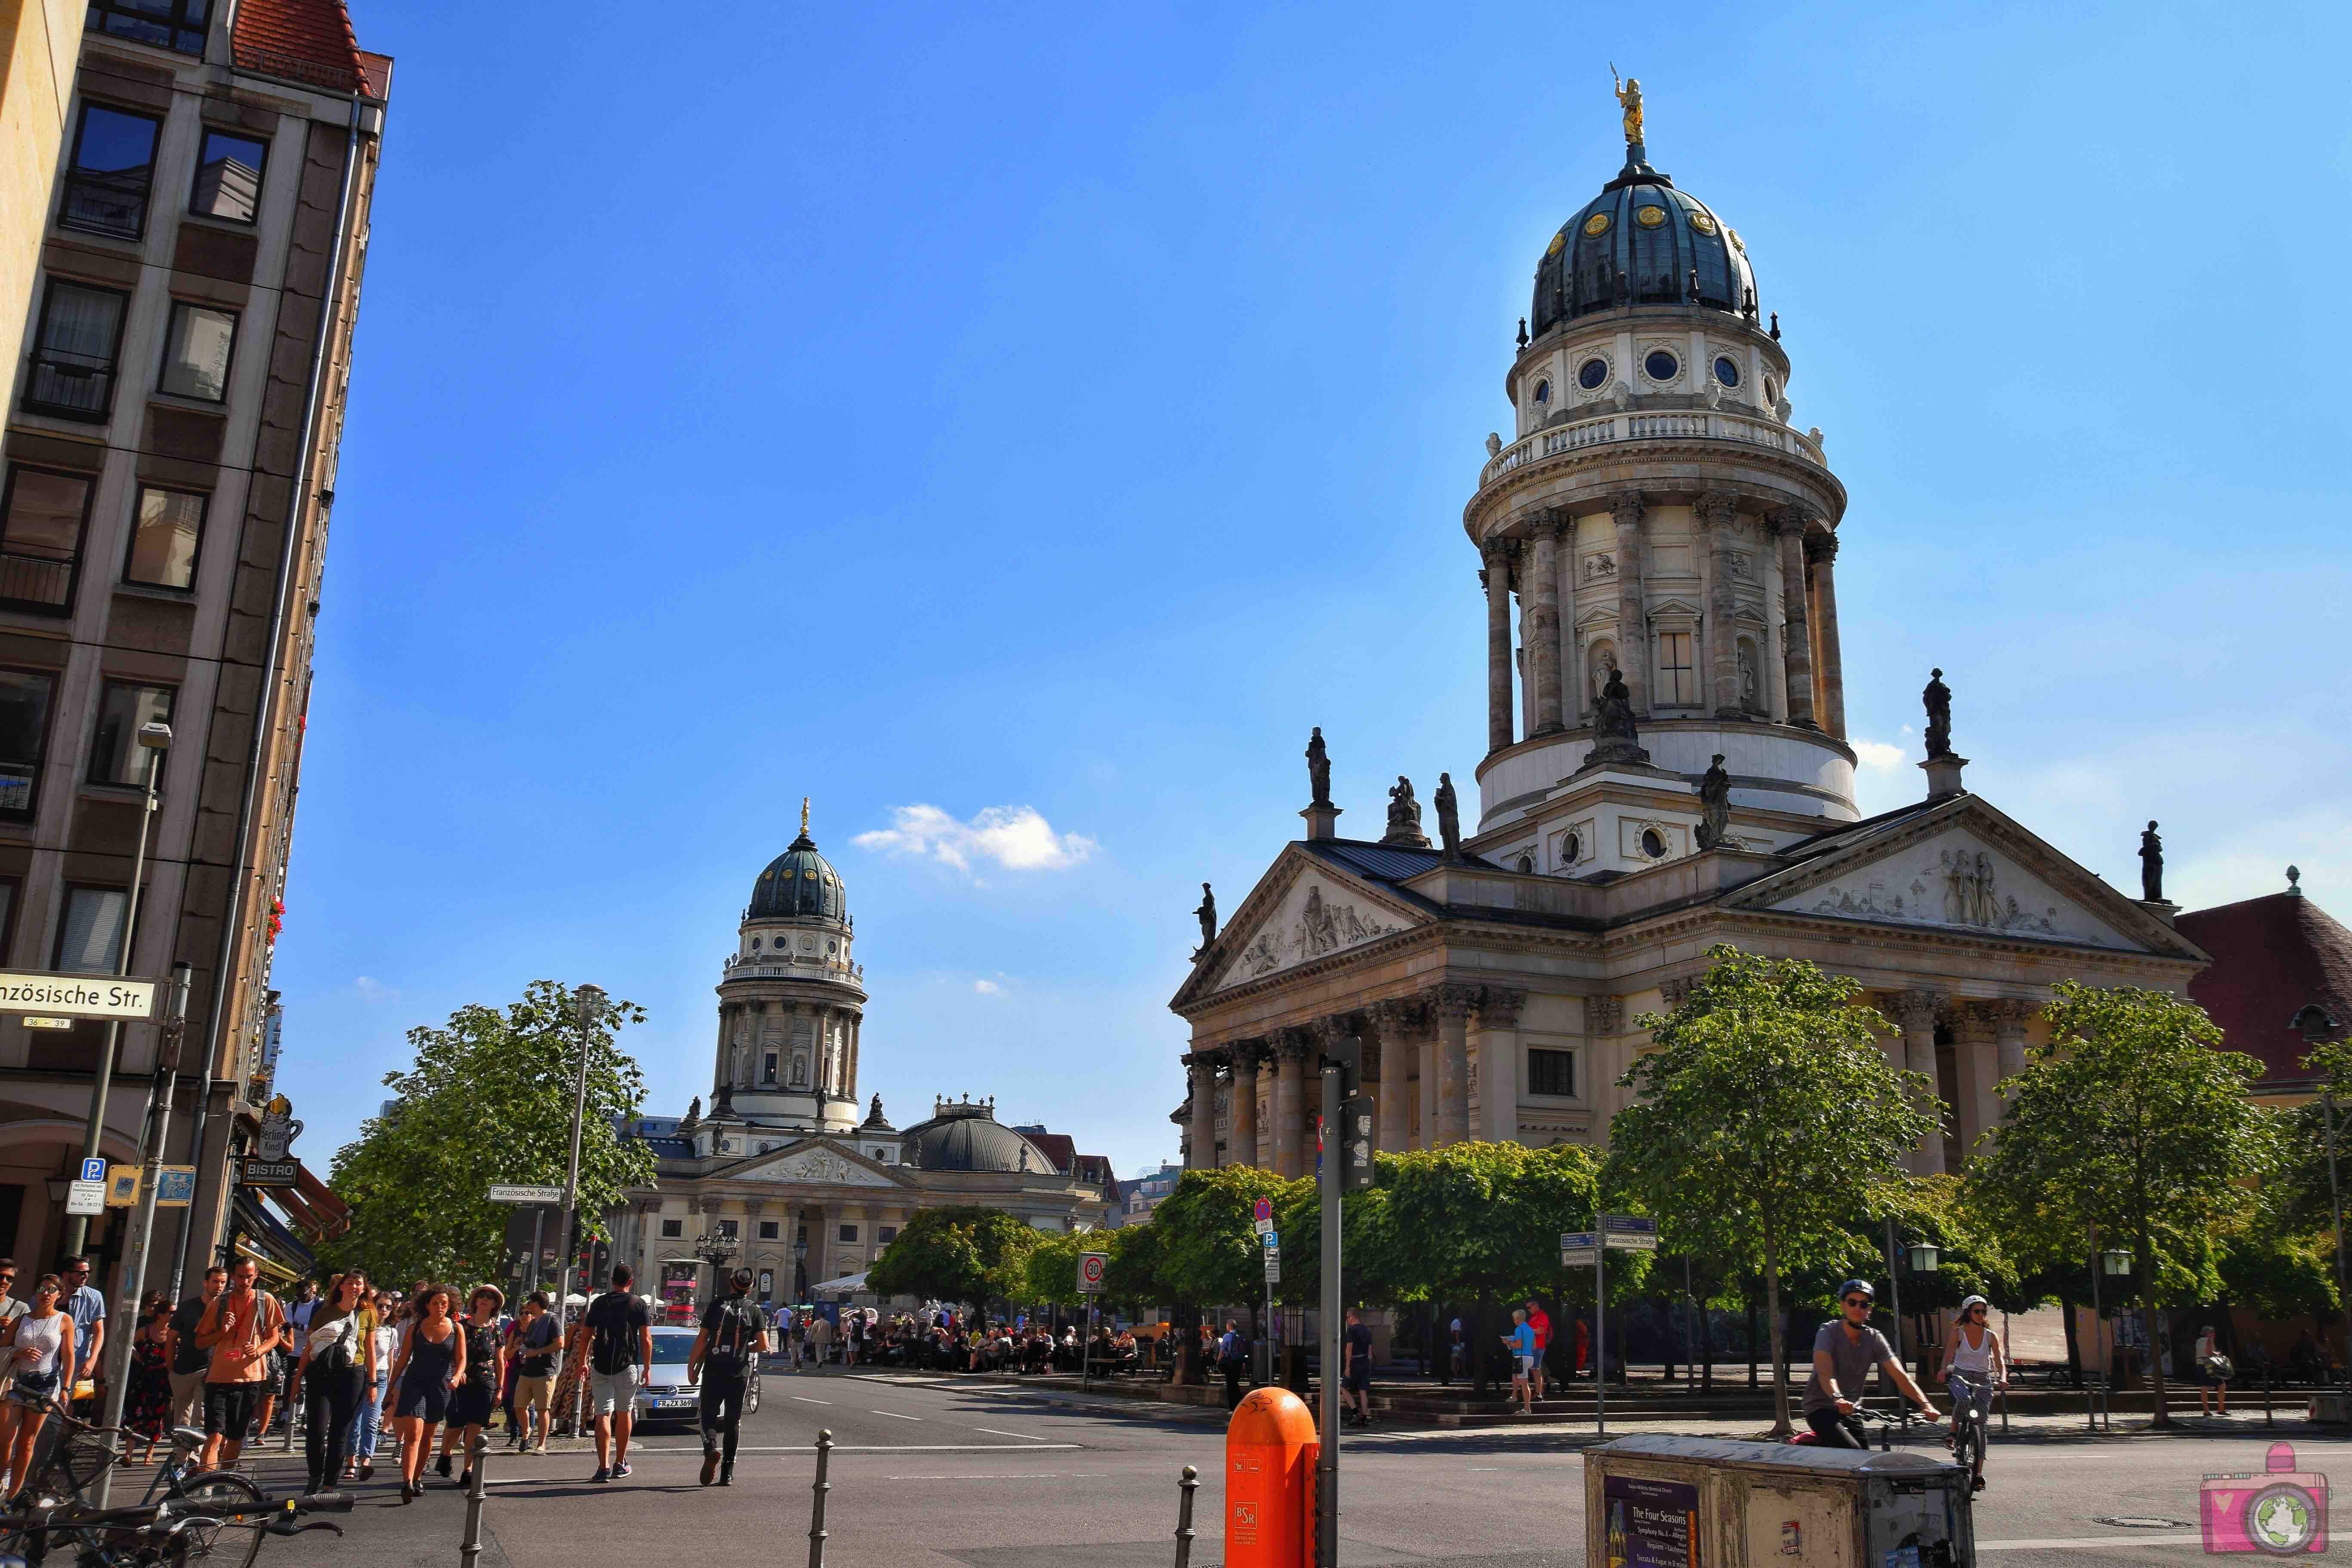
(1843, 1354)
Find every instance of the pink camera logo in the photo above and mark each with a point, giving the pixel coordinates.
(2282, 1512)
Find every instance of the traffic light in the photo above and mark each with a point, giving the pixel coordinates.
(1356, 1115)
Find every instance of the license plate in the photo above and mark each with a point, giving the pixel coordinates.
(678, 1403)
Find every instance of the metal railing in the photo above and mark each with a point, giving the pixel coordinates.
(38, 579)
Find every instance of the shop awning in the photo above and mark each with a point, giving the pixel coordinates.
(262, 1237)
(847, 1285)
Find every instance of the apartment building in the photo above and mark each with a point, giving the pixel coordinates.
(173, 420)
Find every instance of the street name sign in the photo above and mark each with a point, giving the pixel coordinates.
(1090, 1271)
(1577, 1257)
(1631, 1232)
(507, 1192)
(78, 995)
(272, 1173)
(176, 1187)
(86, 1199)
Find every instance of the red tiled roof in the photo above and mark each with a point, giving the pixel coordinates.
(303, 41)
(2272, 957)
(378, 68)
(1058, 1147)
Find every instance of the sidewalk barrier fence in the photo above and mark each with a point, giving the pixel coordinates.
(817, 1508)
(469, 1549)
(1185, 1488)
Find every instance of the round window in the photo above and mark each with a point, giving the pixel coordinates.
(1597, 224)
(1543, 392)
(832, 947)
(755, 945)
(1660, 365)
(1727, 370)
(1650, 217)
(1592, 373)
(1654, 843)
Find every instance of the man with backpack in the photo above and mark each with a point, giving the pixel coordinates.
(1232, 1360)
(734, 1331)
(620, 1361)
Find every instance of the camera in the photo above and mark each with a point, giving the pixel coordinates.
(2281, 1513)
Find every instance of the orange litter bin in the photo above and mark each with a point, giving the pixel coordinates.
(1270, 1456)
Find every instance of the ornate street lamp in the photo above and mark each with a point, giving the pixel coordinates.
(1924, 1257)
(2116, 1263)
(800, 1269)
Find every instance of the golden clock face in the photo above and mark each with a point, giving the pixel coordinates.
(1557, 241)
(1649, 218)
(1597, 224)
(1702, 223)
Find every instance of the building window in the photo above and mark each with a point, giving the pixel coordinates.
(89, 939)
(163, 537)
(24, 697)
(1677, 683)
(728, 1228)
(197, 348)
(887, 1233)
(41, 521)
(1654, 843)
(8, 890)
(74, 350)
(768, 1068)
(116, 757)
(1551, 1072)
(673, 1229)
(767, 1230)
(113, 164)
(228, 177)
(850, 1233)
(167, 23)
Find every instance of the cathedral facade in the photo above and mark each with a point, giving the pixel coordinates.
(806, 1186)
(1666, 766)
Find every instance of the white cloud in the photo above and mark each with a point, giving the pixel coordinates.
(988, 988)
(371, 989)
(1876, 754)
(1015, 837)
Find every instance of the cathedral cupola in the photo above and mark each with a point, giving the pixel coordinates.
(799, 884)
(1642, 242)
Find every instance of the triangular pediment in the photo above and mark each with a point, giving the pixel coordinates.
(1964, 868)
(815, 1162)
(1302, 910)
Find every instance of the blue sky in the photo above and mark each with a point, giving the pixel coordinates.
(1053, 413)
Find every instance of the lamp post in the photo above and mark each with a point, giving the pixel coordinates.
(800, 1269)
(2115, 1263)
(715, 1246)
(156, 739)
(587, 1006)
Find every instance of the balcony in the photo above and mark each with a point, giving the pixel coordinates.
(37, 580)
(71, 385)
(1680, 425)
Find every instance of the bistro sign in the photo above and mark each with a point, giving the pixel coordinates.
(78, 995)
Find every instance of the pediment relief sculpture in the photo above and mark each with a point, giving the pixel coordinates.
(1314, 923)
(1957, 882)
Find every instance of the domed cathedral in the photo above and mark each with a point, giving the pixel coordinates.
(803, 1187)
(1666, 764)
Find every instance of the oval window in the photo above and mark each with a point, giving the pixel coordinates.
(755, 945)
(1597, 224)
(1654, 843)
(1592, 373)
(1662, 366)
(1650, 217)
(1572, 850)
(1543, 392)
(1727, 370)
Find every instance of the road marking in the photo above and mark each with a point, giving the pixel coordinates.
(894, 1415)
(1022, 1436)
(805, 1399)
(1023, 1476)
(1485, 1466)
(2062, 1542)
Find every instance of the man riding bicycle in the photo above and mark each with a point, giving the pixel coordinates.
(1843, 1354)
(1974, 1365)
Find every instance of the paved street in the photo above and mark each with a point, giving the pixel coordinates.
(934, 1475)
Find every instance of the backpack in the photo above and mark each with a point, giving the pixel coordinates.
(612, 1348)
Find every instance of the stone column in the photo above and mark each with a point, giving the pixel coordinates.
(1978, 1070)
(1200, 1114)
(1632, 610)
(1719, 514)
(1915, 1011)
(857, 1032)
(1796, 647)
(1494, 1078)
(1242, 1149)
(1390, 1023)
(1820, 551)
(1452, 1004)
(1497, 555)
(2009, 1016)
(1291, 1048)
(1572, 688)
(1543, 630)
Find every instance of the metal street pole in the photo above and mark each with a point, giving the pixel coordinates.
(156, 739)
(1334, 1177)
(1601, 1328)
(587, 1006)
(125, 1329)
(1894, 1288)
(2336, 1209)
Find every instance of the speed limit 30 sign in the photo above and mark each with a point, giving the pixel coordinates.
(1090, 1271)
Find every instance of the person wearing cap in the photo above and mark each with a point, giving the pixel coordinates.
(734, 1331)
(1974, 1365)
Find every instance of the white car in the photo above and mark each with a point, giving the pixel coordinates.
(668, 1396)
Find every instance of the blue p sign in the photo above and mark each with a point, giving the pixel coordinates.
(94, 1169)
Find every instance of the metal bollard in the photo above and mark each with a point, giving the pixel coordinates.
(1184, 1490)
(2002, 1395)
(469, 1549)
(816, 1511)
(2268, 1418)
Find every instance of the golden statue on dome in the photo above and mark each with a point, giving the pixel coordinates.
(1629, 95)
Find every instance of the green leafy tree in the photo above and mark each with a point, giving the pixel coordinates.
(1208, 1251)
(488, 1099)
(964, 1254)
(1765, 1120)
(2134, 1120)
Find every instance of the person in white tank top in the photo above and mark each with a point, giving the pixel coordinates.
(1974, 1363)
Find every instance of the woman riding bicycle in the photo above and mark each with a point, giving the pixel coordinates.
(1974, 1365)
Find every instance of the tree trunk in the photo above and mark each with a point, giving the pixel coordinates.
(1781, 1425)
(2163, 1417)
(1706, 1350)
(2073, 1339)
(1749, 1294)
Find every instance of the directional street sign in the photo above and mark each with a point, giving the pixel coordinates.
(1570, 1240)
(1090, 1270)
(86, 1198)
(94, 1169)
(506, 1193)
(176, 1187)
(1631, 1232)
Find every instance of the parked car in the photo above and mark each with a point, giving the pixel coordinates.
(668, 1396)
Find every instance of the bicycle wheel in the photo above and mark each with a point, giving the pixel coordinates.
(221, 1545)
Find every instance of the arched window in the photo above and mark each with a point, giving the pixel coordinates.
(1527, 865)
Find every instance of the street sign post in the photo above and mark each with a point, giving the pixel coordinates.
(1627, 1233)
(1262, 1211)
(1091, 1267)
(1270, 1241)
(86, 1199)
(506, 1192)
(94, 1168)
(78, 995)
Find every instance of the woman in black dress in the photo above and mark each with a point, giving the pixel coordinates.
(432, 1364)
(477, 1395)
(148, 1403)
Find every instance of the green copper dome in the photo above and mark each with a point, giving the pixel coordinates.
(799, 884)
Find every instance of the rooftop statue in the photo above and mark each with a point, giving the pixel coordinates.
(1714, 805)
(1629, 94)
(1449, 818)
(2151, 865)
(1939, 700)
(1404, 816)
(1208, 913)
(1318, 768)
